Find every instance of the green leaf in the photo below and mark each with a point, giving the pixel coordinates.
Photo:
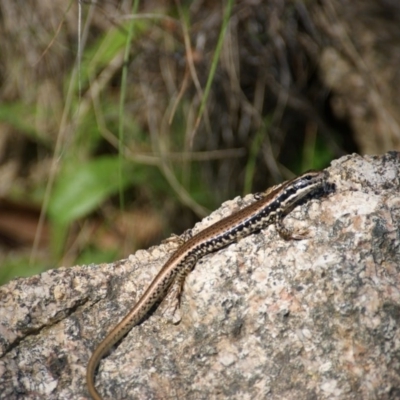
(101, 53)
(21, 117)
(18, 266)
(80, 189)
(96, 256)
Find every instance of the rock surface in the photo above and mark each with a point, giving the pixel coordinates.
(262, 318)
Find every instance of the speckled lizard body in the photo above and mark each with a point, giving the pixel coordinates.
(270, 207)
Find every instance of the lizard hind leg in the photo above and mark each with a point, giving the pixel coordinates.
(175, 294)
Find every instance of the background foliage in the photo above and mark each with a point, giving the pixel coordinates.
(132, 120)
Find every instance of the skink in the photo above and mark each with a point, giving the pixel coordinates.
(270, 207)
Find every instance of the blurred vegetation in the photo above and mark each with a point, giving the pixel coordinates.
(148, 117)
